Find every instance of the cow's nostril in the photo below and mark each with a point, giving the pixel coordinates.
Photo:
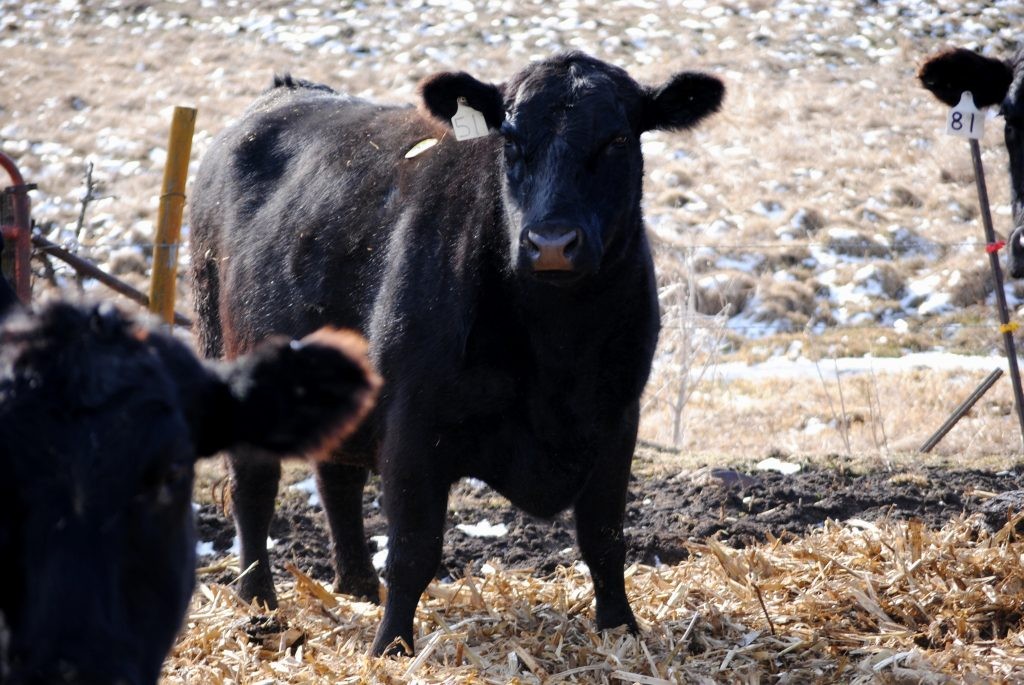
(530, 245)
(573, 244)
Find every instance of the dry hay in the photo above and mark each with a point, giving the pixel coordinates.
(856, 602)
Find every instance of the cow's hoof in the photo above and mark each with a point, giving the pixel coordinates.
(260, 590)
(397, 646)
(608, 620)
(362, 588)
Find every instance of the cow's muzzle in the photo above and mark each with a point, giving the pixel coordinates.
(552, 247)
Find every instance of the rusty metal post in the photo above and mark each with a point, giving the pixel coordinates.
(960, 411)
(20, 232)
(172, 204)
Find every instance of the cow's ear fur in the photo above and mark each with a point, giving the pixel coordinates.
(441, 93)
(948, 74)
(682, 102)
(290, 398)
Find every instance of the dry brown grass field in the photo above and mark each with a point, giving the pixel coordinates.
(824, 204)
(823, 118)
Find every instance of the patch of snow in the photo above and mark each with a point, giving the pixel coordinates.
(770, 209)
(780, 367)
(750, 326)
(843, 234)
(815, 426)
(936, 303)
(747, 263)
(484, 529)
(236, 545)
(380, 557)
(784, 467)
(720, 227)
(158, 156)
(308, 486)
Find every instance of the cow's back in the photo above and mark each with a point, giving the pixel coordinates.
(293, 206)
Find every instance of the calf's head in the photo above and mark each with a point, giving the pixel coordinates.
(992, 82)
(101, 423)
(572, 167)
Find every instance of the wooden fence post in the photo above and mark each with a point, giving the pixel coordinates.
(172, 204)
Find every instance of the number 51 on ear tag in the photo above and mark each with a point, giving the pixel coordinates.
(965, 120)
(468, 123)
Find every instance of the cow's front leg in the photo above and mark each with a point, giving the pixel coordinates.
(254, 481)
(415, 501)
(600, 511)
(341, 491)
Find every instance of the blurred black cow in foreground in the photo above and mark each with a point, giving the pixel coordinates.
(505, 283)
(101, 422)
(992, 82)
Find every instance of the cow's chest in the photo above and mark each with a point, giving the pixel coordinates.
(546, 419)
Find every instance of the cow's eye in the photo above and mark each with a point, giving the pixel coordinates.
(513, 153)
(614, 145)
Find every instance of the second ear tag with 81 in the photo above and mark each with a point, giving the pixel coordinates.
(966, 120)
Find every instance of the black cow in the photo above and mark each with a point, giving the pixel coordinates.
(992, 82)
(505, 283)
(101, 422)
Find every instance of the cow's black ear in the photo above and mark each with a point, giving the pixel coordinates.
(290, 397)
(948, 74)
(682, 102)
(441, 93)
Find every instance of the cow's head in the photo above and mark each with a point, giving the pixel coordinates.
(101, 423)
(992, 82)
(572, 164)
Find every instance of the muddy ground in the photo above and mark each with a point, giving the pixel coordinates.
(664, 515)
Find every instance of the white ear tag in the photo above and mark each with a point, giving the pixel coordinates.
(468, 123)
(965, 120)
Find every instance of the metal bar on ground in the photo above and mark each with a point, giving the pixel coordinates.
(997, 274)
(960, 411)
(172, 204)
(92, 271)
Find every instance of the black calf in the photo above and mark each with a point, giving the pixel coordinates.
(101, 422)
